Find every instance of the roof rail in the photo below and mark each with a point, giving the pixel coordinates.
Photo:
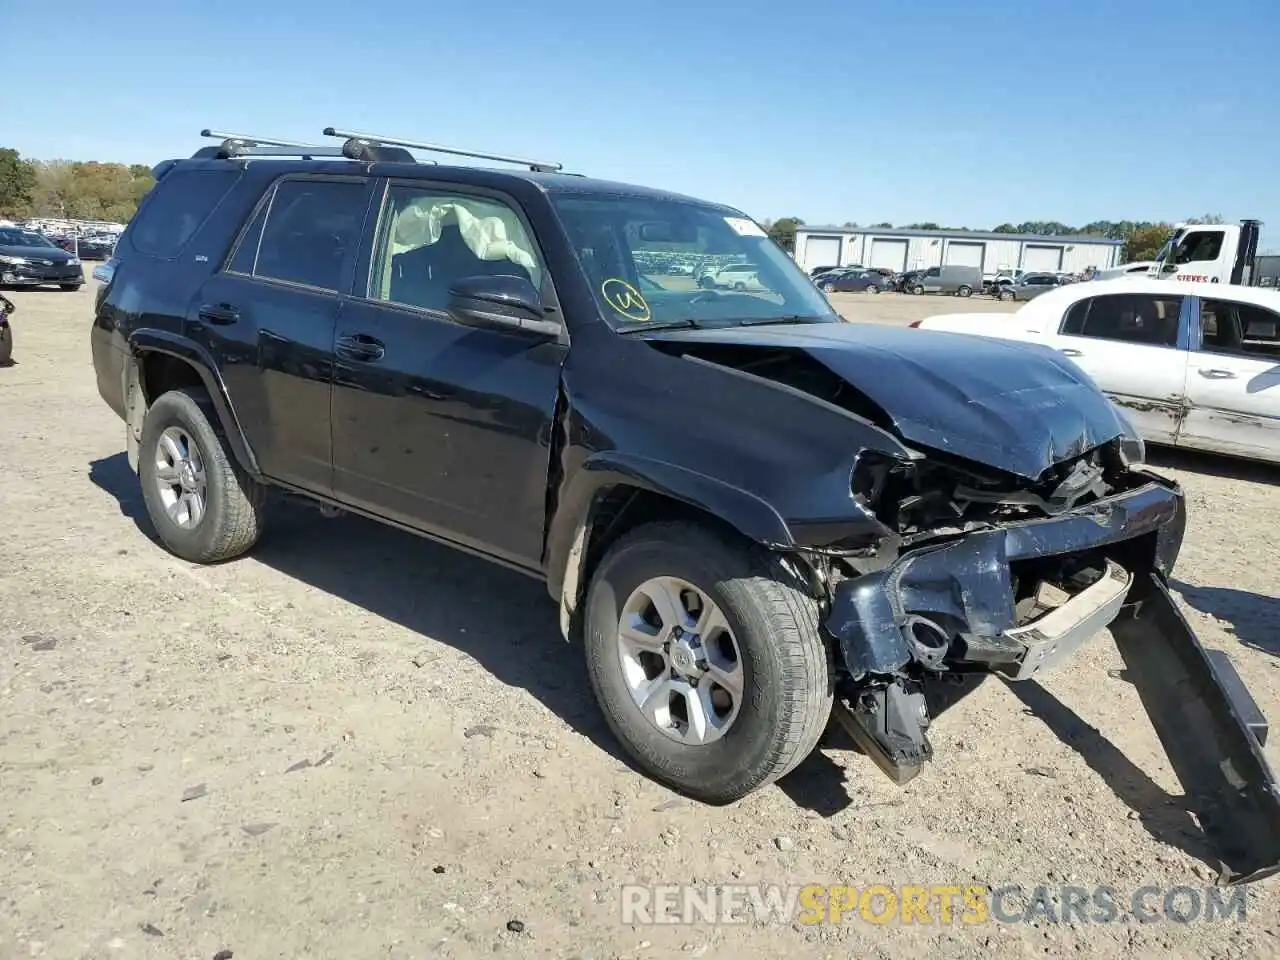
(244, 145)
(358, 141)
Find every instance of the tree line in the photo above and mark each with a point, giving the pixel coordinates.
(70, 189)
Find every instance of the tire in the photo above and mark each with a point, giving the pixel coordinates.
(233, 503)
(826, 287)
(1006, 295)
(740, 286)
(872, 288)
(964, 291)
(6, 345)
(786, 673)
(918, 289)
(70, 287)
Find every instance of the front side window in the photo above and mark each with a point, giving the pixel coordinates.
(1133, 318)
(429, 238)
(623, 243)
(312, 231)
(1198, 245)
(1239, 329)
(933, 272)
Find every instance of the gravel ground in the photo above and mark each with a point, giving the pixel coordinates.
(354, 743)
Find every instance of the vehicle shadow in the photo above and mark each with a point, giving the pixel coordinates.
(1214, 465)
(1164, 816)
(114, 476)
(502, 619)
(1253, 616)
(818, 784)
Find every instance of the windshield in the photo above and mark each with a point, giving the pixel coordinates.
(662, 262)
(12, 237)
(1166, 251)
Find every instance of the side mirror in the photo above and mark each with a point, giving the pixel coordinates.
(500, 303)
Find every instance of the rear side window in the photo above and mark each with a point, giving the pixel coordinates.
(176, 208)
(311, 233)
(1133, 318)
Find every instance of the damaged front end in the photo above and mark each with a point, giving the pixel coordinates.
(988, 573)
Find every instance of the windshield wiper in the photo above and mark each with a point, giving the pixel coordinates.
(763, 321)
(663, 325)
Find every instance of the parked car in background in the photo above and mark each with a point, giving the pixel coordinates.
(961, 281)
(735, 276)
(96, 248)
(852, 281)
(6, 332)
(817, 270)
(903, 282)
(30, 259)
(1192, 365)
(1029, 287)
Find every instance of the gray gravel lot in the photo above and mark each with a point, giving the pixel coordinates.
(354, 743)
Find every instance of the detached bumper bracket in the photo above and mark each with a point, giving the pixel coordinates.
(1210, 728)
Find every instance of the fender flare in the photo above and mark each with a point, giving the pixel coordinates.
(150, 340)
(570, 528)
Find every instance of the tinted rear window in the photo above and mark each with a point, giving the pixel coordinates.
(176, 208)
(312, 232)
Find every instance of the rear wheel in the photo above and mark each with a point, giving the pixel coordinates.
(872, 288)
(706, 657)
(203, 506)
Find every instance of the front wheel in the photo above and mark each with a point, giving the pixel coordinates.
(707, 660)
(918, 289)
(965, 290)
(203, 506)
(872, 288)
(1006, 295)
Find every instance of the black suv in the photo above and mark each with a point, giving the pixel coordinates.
(754, 514)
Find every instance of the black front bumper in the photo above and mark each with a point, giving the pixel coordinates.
(1209, 725)
(35, 273)
(969, 580)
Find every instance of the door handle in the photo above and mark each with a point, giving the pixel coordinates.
(361, 346)
(1214, 374)
(1069, 352)
(219, 314)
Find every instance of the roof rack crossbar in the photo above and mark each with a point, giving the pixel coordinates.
(247, 145)
(355, 140)
(244, 139)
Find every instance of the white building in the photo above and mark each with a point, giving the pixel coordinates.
(907, 249)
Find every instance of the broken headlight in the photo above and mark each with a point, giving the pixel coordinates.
(1133, 450)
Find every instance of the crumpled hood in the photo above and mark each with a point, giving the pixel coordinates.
(1018, 407)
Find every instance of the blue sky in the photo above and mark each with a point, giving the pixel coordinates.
(965, 113)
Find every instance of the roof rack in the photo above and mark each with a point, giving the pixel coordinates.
(243, 145)
(364, 141)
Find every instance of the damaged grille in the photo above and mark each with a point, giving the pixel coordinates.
(938, 495)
